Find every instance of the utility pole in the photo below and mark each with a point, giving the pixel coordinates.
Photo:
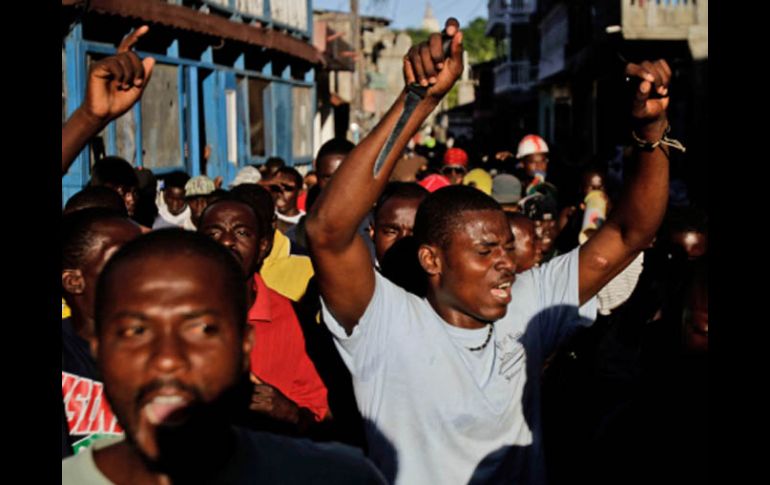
(356, 104)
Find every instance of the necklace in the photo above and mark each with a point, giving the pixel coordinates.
(486, 342)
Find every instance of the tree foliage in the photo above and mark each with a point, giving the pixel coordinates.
(480, 48)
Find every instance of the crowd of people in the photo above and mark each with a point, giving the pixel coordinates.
(387, 317)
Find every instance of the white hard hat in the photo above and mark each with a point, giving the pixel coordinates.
(531, 144)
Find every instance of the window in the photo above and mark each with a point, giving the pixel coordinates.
(231, 114)
(160, 119)
(125, 136)
(302, 123)
(256, 89)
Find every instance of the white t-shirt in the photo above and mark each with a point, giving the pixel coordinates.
(435, 412)
(166, 219)
(290, 219)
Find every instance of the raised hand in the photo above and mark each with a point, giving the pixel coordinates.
(426, 64)
(117, 82)
(651, 96)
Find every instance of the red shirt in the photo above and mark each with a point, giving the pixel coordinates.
(302, 200)
(279, 357)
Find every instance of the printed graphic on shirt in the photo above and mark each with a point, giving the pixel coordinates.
(510, 352)
(89, 415)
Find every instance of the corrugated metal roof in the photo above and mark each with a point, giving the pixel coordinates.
(184, 18)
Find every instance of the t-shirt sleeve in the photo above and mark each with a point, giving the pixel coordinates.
(363, 351)
(558, 294)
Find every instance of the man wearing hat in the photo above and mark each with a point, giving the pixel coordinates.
(246, 175)
(455, 165)
(542, 209)
(506, 190)
(197, 192)
(479, 178)
(532, 154)
(434, 181)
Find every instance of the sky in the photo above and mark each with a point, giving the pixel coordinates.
(409, 13)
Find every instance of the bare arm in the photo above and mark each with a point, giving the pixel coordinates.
(632, 224)
(114, 85)
(341, 259)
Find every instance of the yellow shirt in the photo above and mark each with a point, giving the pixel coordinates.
(65, 309)
(286, 273)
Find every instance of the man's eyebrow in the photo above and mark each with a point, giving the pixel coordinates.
(130, 314)
(201, 313)
(488, 244)
(215, 225)
(188, 315)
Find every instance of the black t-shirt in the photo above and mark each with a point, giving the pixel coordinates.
(268, 458)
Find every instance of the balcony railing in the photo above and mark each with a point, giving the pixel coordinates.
(506, 12)
(514, 76)
(289, 14)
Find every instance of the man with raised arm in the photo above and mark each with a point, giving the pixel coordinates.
(114, 85)
(449, 384)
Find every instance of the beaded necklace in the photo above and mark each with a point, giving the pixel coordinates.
(486, 342)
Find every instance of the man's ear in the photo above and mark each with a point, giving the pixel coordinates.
(265, 247)
(73, 282)
(430, 259)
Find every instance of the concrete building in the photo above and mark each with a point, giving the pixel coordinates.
(515, 70)
(380, 82)
(583, 48)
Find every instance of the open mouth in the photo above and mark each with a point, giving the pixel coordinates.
(502, 291)
(166, 409)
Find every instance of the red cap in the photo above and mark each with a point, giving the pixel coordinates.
(455, 157)
(434, 182)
